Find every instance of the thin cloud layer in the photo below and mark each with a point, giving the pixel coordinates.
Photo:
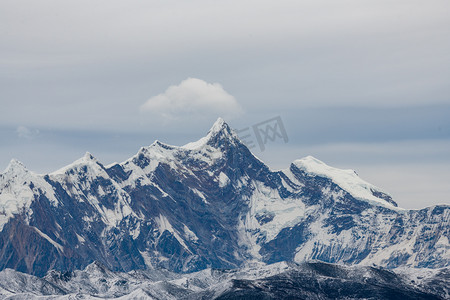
(193, 97)
(26, 133)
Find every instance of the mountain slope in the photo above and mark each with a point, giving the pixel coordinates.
(210, 203)
(313, 280)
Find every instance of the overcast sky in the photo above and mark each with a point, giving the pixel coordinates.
(358, 84)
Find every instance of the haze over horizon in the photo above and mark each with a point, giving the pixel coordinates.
(358, 85)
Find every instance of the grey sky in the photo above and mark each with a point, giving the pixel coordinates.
(359, 84)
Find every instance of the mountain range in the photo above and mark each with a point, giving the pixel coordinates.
(206, 205)
(283, 280)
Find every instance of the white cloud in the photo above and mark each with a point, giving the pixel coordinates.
(193, 97)
(26, 133)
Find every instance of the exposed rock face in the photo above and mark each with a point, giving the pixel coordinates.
(207, 204)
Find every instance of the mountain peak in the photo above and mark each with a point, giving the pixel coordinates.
(219, 125)
(159, 144)
(88, 157)
(219, 132)
(221, 128)
(346, 179)
(15, 166)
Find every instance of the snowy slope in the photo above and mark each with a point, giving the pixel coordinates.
(313, 280)
(348, 180)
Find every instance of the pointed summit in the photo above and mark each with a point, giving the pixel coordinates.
(88, 157)
(218, 125)
(219, 133)
(87, 160)
(15, 166)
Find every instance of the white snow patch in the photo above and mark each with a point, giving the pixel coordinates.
(113, 217)
(242, 182)
(200, 194)
(80, 239)
(197, 144)
(55, 244)
(135, 232)
(248, 238)
(443, 241)
(223, 180)
(443, 247)
(88, 219)
(100, 191)
(267, 202)
(164, 225)
(189, 234)
(58, 226)
(147, 259)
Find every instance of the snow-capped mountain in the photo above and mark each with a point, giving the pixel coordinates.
(210, 203)
(283, 280)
